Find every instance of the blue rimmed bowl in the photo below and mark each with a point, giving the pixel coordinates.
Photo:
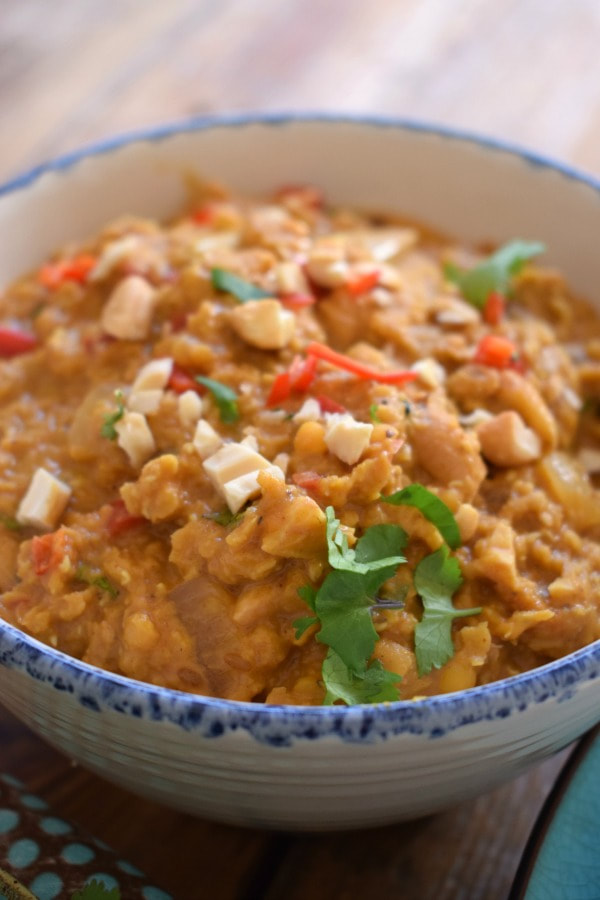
(283, 767)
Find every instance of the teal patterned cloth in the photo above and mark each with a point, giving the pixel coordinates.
(50, 858)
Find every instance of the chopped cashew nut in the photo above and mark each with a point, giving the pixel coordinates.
(346, 438)
(291, 279)
(145, 401)
(506, 440)
(239, 490)
(135, 438)
(154, 375)
(189, 407)
(113, 254)
(206, 440)
(310, 411)
(234, 469)
(430, 372)
(282, 461)
(128, 311)
(264, 324)
(44, 501)
(467, 519)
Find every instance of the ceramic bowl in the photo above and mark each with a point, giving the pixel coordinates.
(282, 767)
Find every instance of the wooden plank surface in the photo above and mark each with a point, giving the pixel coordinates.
(75, 72)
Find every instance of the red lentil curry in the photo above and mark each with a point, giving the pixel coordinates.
(278, 452)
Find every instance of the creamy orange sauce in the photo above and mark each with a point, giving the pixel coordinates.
(207, 604)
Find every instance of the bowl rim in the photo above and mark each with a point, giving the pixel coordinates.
(98, 689)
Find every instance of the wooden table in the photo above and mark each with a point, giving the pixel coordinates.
(72, 73)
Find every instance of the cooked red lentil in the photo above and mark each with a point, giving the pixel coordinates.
(200, 423)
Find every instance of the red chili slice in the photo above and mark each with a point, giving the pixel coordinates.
(14, 342)
(330, 406)
(363, 283)
(297, 301)
(322, 351)
(180, 382)
(494, 308)
(52, 275)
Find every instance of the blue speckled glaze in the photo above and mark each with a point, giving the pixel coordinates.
(100, 691)
(282, 725)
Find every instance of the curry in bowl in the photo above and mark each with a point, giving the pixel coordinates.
(273, 451)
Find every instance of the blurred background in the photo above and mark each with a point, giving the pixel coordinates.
(75, 71)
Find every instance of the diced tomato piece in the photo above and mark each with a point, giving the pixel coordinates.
(493, 311)
(180, 382)
(497, 351)
(280, 389)
(204, 215)
(330, 406)
(52, 275)
(306, 194)
(310, 481)
(121, 520)
(363, 283)
(297, 301)
(48, 550)
(14, 342)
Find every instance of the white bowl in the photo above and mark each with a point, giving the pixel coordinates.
(284, 767)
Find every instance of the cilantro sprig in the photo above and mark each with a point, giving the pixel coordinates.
(242, 290)
(108, 429)
(434, 509)
(342, 606)
(225, 398)
(437, 577)
(494, 273)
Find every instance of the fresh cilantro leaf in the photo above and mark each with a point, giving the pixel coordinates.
(9, 522)
(95, 890)
(436, 579)
(225, 517)
(343, 605)
(373, 412)
(374, 685)
(494, 273)
(82, 573)
(231, 284)
(108, 429)
(434, 509)
(309, 595)
(371, 549)
(303, 624)
(224, 397)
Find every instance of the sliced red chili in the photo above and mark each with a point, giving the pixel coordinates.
(180, 382)
(340, 361)
(363, 283)
(120, 520)
(330, 406)
(298, 378)
(280, 389)
(498, 352)
(494, 308)
(52, 275)
(302, 373)
(14, 342)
